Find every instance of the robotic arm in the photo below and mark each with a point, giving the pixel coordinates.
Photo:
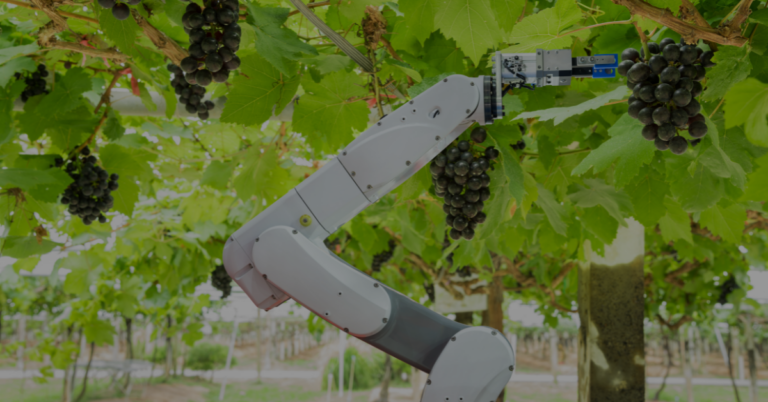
(280, 253)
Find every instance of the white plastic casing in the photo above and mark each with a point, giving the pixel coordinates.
(403, 142)
(288, 210)
(474, 367)
(332, 289)
(332, 196)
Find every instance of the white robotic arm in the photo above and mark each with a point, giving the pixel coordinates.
(280, 253)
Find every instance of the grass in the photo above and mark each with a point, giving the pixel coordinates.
(672, 393)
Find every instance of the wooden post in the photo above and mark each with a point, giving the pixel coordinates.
(736, 351)
(611, 309)
(351, 378)
(684, 363)
(229, 357)
(751, 356)
(553, 361)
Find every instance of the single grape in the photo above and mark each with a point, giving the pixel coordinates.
(697, 89)
(190, 108)
(460, 223)
(209, 45)
(195, 21)
(639, 72)
(121, 11)
(463, 146)
(455, 234)
(203, 115)
(657, 64)
(693, 108)
(646, 115)
(646, 94)
(193, 8)
(635, 108)
(661, 145)
(213, 62)
(688, 71)
(654, 48)
(688, 55)
(706, 59)
(226, 54)
(664, 92)
(671, 53)
(475, 183)
(233, 63)
(678, 145)
(681, 97)
(630, 54)
(679, 117)
(196, 35)
(666, 131)
(461, 168)
(485, 194)
(466, 156)
(670, 75)
(650, 132)
(661, 115)
(478, 135)
(441, 160)
(698, 129)
(209, 14)
(472, 196)
(624, 67)
(449, 219)
(226, 16)
(203, 77)
(701, 73)
(666, 41)
(221, 75)
(468, 233)
(685, 83)
(454, 188)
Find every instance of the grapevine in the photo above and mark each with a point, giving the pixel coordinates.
(727, 288)
(35, 81)
(214, 37)
(664, 90)
(120, 10)
(221, 280)
(89, 195)
(382, 257)
(459, 177)
(190, 94)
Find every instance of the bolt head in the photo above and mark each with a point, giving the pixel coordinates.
(429, 382)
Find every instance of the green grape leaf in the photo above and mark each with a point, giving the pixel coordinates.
(759, 16)
(66, 95)
(507, 12)
(353, 10)
(77, 281)
(26, 246)
(727, 223)
(8, 96)
(26, 264)
(100, 332)
(418, 20)
(719, 163)
(627, 145)
(367, 237)
(733, 66)
(559, 114)
(757, 185)
(443, 55)
(45, 185)
(328, 113)
(647, 192)
(262, 176)
(598, 221)
(258, 93)
(70, 129)
(545, 29)
(126, 196)
(113, 130)
(697, 190)
(10, 68)
(275, 43)
(126, 162)
(123, 33)
(217, 175)
(675, 224)
(747, 103)
(616, 203)
(552, 209)
(10, 52)
(471, 23)
(193, 333)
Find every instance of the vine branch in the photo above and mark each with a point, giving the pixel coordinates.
(62, 13)
(168, 46)
(726, 34)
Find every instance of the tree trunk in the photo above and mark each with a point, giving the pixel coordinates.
(611, 309)
(669, 367)
(752, 359)
(384, 394)
(730, 365)
(465, 318)
(168, 348)
(128, 352)
(495, 312)
(85, 377)
(65, 395)
(685, 364)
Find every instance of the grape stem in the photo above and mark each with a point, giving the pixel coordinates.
(726, 34)
(643, 39)
(311, 5)
(168, 46)
(62, 13)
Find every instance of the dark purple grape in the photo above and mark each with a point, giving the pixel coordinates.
(635, 108)
(697, 89)
(688, 71)
(195, 21)
(698, 129)
(196, 35)
(213, 62)
(630, 54)
(226, 54)
(688, 54)
(678, 145)
(226, 16)
(657, 64)
(468, 233)
(646, 94)
(693, 108)
(670, 75)
(121, 11)
(221, 75)
(671, 53)
(650, 132)
(679, 117)
(209, 45)
(193, 8)
(646, 115)
(664, 92)
(666, 41)
(661, 145)
(661, 115)
(666, 131)
(639, 72)
(233, 64)
(682, 97)
(478, 135)
(455, 234)
(624, 67)
(209, 14)
(203, 77)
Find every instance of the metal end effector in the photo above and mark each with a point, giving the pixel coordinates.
(543, 68)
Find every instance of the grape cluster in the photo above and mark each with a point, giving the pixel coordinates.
(119, 9)
(460, 178)
(214, 37)
(519, 145)
(727, 288)
(35, 83)
(463, 272)
(664, 90)
(382, 257)
(221, 280)
(89, 195)
(190, 94)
